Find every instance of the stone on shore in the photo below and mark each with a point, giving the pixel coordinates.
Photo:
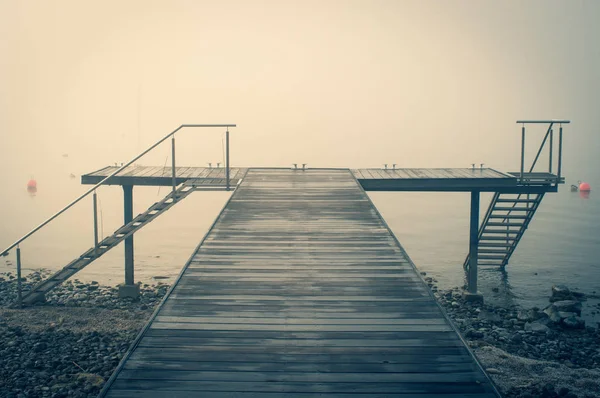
(567, 306)
(531, 352)
(536, 327)
(69, 345)
(560, 292)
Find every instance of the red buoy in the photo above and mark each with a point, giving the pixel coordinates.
(32, 187)
(584, 186)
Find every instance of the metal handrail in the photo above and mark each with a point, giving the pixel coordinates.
(549, 133)
(563, 121)
(92, 189)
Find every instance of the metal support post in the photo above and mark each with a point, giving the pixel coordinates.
(95, 200)
(551, 151)
(127, 217)
(227, 157)
(522, 151)
(19, 287)
(560, 138)
(173, 176)
(473, 244)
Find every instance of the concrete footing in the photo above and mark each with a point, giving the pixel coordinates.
(472, 297)
(132, 291)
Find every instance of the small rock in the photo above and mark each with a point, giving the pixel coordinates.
(536, 327)
(91, 378)
(574, 322)
(568, 306)
(560, 292)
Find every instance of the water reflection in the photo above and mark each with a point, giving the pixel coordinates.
(584, 194)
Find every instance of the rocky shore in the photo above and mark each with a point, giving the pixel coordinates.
(70, 345)
(537, 352)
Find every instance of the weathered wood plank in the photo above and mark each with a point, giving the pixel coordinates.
(300, 289)
(427, 387)
(120, 393)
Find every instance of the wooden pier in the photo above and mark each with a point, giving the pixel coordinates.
(299, 289)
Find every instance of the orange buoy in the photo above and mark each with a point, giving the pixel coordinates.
(584, 186)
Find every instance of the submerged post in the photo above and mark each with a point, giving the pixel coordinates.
(95, 200)
(471, 293)
(227, 157)
(558, 175)
(128, 289)
(19, 287)
(173, 176)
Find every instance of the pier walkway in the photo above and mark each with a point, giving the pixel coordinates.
(299, 289)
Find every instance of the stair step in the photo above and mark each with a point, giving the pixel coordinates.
(509, 216)
(500, 231)
(502, 208)
(490, 257)
(124, 229)
(487, 262)
(516, 200)
(492, 251)
(489, 244)
(503, 224)
(496, 238)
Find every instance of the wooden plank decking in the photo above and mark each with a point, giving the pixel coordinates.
(299, 290)
(441, 180)
(160, 176)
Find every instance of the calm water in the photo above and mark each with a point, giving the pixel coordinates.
(562, 244)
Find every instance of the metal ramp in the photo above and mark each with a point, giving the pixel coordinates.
(503, 226)
(39, 291)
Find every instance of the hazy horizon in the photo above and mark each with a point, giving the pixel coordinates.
(335, 83)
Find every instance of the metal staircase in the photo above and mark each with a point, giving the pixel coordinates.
(503, 226)
(158, 208)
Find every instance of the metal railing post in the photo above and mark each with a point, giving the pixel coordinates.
(560, 138)
(173, 177)
(522, 151)
(473, 244)
(551, 151)
(19, 293)
(95, 200)
(227, 157)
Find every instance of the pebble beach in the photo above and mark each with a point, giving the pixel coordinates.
(70, 345)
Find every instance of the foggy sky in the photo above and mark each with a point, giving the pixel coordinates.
(328, 83)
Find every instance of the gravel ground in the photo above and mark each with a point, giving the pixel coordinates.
(527, 352)
(70, 345)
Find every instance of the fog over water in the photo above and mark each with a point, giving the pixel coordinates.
(328, 83)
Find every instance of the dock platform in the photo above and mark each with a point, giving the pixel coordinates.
(299, 289)
(372, 179)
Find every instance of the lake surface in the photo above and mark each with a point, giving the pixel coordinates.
(561, 246)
